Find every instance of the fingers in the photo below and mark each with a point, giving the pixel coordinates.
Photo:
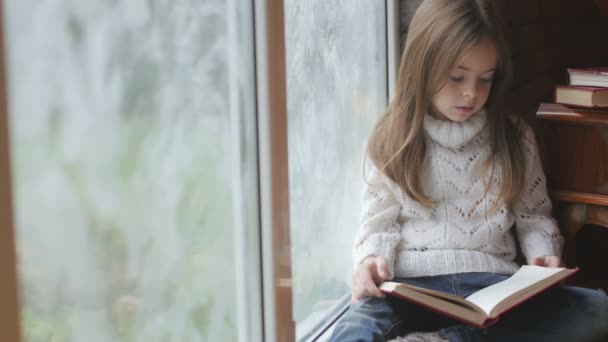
(539, 261)
(366, 277)
(382, 269)
(366, 289)
(547, 261)
(372, 290)
(553, 261)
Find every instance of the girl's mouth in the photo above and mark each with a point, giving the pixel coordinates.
(465, 109)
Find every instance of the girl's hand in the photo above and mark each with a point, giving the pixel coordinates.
(371, 271)
(547, 261)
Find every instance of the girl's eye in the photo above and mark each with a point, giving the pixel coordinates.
(486, 80)
(457, 79)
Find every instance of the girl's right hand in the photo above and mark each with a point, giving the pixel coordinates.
(367, 276)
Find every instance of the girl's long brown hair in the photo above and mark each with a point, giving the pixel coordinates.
(439, 34)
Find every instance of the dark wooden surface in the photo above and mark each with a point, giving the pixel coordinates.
(575, 156)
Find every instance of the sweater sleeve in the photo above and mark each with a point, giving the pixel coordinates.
(537, 231)
(379, 231)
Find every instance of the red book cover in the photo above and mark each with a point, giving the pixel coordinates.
(488, 322)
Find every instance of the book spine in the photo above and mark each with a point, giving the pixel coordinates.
(555, 94)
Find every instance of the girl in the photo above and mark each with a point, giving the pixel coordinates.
(448, 175)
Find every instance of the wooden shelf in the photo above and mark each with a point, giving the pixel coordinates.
(568, 114)
(580, 197)
(588, 118)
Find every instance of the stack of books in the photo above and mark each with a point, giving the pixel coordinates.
(586, 92)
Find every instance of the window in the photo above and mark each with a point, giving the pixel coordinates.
(123, 117)
(143, 187)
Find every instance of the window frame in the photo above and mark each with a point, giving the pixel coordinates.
(9, 312)
(271, 89)
(245, 187)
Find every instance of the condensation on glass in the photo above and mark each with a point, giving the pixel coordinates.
(121, 137)
(337, 87)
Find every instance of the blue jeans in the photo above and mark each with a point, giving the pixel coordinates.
(562, 313)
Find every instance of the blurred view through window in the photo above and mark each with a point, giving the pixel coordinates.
(122, 129)
(336, 88)
(121, 147)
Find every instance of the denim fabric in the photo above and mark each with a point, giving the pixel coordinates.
(562, 313)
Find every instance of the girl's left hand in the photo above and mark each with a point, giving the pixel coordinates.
(547, 261)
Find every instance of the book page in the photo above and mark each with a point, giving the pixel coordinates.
(527, 275)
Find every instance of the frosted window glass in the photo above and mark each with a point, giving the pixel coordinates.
(121, 147)
(337, 86)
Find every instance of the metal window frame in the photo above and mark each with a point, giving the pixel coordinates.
(273, 170)
(245, 189)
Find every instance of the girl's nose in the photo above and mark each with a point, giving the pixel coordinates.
(470, 90)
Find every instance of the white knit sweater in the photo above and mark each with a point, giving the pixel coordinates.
(458, 234)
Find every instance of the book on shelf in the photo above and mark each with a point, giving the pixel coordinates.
(593, 77)
(583, 96)
(484, 307)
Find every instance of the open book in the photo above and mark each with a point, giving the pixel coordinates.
(484, 307)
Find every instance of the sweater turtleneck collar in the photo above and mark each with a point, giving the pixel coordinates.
(454, 134)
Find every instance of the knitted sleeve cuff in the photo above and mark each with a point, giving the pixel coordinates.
(541, 244)
(381, 245)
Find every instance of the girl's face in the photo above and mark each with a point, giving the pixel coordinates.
(468, 85)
